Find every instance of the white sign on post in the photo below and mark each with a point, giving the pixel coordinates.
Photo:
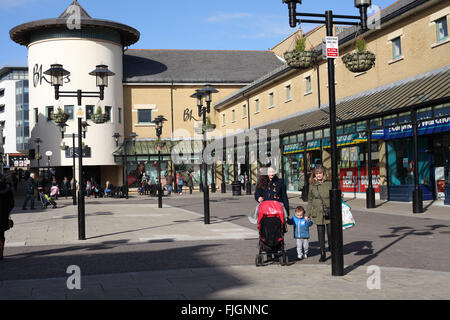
(80, 112)
(330, 48)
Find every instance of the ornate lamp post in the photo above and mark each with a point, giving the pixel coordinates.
(48, 154)
(116, 137)
(57, 73)
(206, 93)
(38, 157)
(159, 120)
(62, 128)
(337, 251)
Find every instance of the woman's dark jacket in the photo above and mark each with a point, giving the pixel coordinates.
(274, 190)
(6, 205)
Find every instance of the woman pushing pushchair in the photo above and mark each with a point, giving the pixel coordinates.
(272, 211)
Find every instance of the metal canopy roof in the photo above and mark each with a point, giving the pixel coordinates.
(425, 88)
(145, 148)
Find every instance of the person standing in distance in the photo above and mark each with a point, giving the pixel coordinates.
(29, 189)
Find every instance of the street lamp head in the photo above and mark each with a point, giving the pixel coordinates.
(48, 153)
(133, 136)
(57, 74)
(116, 137)
(362, 3)
(207, 90)
(199, 96)
(292, 6)
(62, 129)
(101, 74)
(159, 124)
(84, 128)
(37, 141)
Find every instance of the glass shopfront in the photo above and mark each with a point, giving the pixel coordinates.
(433, 154)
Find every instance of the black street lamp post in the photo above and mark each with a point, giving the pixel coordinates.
(57, 73)
(116, 137)
(206, 93)
(159, 121)
(223, 185)
(48, 154)
(337, 251)
(62, 128)
(370, 192)
(38, 142)
(417, 193)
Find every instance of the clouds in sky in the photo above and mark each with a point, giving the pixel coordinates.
(254, 26)
(14, 3)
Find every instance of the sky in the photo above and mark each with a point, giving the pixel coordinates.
(177, 24)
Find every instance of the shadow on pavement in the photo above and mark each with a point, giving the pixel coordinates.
(399, 233)
(53, 263)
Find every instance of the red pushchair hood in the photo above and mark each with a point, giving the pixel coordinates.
(271, 208)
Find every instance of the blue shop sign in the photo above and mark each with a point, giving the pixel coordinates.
(403, 131)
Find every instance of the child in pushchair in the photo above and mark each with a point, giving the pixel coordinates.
(46, 200)
(271, 225)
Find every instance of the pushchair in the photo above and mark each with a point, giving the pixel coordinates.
(271, 225)
(46, 200)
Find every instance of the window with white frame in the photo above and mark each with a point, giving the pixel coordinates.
(244, 111)
(233, 115)
(441, 29)
(396, 48)
(256, 105)
(288, 92)
(223, 119)
(271, 100)
(308, 84)
(144, 116)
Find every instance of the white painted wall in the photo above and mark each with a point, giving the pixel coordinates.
(9, 116)
(79, 56)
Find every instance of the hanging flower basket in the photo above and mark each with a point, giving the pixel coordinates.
(59, 117)
(64, 147)
(99, 118)
(359, 61)
(300, 59)
(38, 156)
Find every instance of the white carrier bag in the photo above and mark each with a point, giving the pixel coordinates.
(347, 218)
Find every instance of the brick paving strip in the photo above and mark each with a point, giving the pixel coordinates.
(239, 282)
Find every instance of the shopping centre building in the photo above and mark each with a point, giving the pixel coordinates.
(257, 90)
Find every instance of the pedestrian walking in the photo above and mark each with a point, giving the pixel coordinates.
(54, 191)
(271, 187)
(6, 205)
(169, 181)
(66, 187)
(29, 192)
(241, 179)
(301, 225)
(190, 182)
(180, 183)
(88, 188)
(319, 204)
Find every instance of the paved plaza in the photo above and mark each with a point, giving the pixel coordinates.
(134, 250)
